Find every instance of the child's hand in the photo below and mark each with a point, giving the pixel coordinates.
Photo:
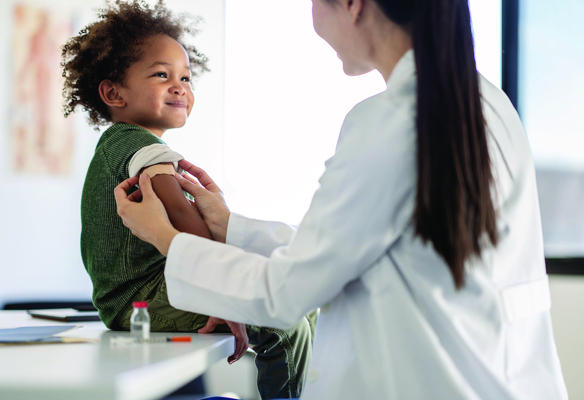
(239, 331)
(148, 219)
(208, 199)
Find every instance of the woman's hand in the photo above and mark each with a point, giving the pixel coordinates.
(238, 330)
(208, 199)
(147, 219)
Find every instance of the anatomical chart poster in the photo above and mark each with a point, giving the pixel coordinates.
(42, 139)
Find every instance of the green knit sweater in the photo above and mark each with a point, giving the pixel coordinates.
(118, 263)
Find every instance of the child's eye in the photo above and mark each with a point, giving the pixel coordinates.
(186, 79)
(160, 74)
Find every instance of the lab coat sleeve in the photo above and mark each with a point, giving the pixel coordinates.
(362, 206)
(256, 236)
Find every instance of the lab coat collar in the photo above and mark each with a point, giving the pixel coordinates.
(403, 71)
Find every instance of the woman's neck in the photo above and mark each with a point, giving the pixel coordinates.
(388, 42)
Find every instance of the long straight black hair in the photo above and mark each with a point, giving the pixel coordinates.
(454, 209)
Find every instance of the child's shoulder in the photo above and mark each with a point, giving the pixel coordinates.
(122, 129)
(122, 136)
(116, 147)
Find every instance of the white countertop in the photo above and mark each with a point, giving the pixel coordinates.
(100, 370)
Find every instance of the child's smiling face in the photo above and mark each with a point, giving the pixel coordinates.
(157, 90)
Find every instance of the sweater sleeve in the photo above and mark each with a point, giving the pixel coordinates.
(122, 144)
(151, 155)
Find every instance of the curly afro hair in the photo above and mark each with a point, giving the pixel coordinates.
(106, 48)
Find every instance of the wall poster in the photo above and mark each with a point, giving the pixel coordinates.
(42, 139)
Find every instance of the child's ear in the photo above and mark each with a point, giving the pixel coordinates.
(109, 93)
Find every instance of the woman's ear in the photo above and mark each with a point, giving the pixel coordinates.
(110, 94)
(354, 8)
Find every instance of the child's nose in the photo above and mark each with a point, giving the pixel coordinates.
(177, 89)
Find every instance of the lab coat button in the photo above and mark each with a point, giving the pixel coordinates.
(326, 308)
(312, 376)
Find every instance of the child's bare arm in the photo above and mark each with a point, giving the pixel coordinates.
(183, 216)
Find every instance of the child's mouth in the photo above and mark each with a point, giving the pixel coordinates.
(176, 103)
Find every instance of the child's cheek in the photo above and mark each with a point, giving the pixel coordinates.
(154, 103)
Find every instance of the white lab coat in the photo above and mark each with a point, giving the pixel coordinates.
(392, 325)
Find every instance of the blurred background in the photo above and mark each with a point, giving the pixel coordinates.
(266, 118)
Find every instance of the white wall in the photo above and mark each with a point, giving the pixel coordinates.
(40, 215)
(287, 96)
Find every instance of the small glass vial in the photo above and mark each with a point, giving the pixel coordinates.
(140, 320)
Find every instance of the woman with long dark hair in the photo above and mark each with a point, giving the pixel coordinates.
(422, 246)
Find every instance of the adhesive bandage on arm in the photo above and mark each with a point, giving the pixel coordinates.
(159, 169)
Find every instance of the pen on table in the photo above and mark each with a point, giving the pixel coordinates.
(164, 339)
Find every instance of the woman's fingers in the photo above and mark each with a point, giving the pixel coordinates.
(238, 330)
(193, 188)
(136, 196)
(241, 341)
(147, 219)
(211, 205)
(211, 324)
(200, 174)
(146, 187)
(191, 178)
(129, 183)
(121, 190)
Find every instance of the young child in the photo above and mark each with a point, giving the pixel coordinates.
(132, 70)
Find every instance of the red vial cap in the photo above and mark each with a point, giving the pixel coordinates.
(140, 304)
